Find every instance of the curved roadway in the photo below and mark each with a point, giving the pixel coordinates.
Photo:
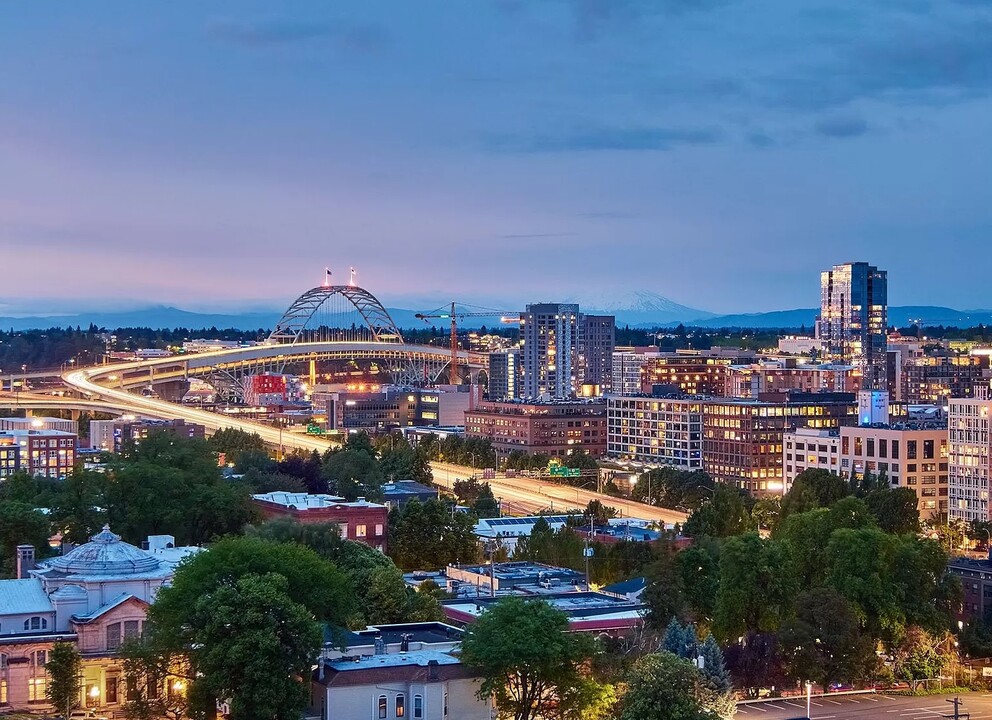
(524, 494)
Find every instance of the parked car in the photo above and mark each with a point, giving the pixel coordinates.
(85, 715)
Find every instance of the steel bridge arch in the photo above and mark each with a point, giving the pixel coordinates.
(291, 325)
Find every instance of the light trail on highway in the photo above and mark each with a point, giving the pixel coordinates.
(522, 493)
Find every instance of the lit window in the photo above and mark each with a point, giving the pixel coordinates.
(382, 706)
(400, 706)
(360, 531)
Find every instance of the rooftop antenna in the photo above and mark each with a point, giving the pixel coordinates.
(327, 277)
(352, 281)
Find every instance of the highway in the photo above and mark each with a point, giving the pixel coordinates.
(519, 494)
(869, 707)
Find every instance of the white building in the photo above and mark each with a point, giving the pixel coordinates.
(655, 431)
(800, 345)
(809, 449)
(969, 456)
(627, 364)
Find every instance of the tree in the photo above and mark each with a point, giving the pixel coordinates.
(663, 594)
(255, 646)
(723, 516)
(680, 640)
(918, 657)
(599, 513)
(663, 687)
(21, 524)
(234, 444)
(895, 510)
(80, 508)
(64, 669)
(812, 489)
(244, 617)
(756, 587)
(353, 474)
(755, 662)
(714, 666)
(486, 505)
(428, 535)
(824, 642)
(529, 662)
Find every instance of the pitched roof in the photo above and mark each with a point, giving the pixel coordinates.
(18, 597)
(627, 586)
(104, 609)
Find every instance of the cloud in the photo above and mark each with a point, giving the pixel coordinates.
(760, 139)
(842, 127)
(611, 139)
(269, 33)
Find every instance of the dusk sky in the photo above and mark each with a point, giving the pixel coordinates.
(217, 155)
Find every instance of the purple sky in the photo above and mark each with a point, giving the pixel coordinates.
(719, 152)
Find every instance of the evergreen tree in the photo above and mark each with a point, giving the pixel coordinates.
(714, 668)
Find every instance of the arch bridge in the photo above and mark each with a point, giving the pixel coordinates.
(315, 327)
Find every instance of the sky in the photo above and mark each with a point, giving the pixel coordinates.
(218, 155)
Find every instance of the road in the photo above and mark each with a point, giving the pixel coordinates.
(873, 707)
(525, 495)
(532, 495)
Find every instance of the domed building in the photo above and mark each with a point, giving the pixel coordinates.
(95, 596)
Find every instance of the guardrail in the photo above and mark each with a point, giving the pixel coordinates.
(802, 696)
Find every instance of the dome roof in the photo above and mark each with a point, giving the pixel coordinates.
(105, 554)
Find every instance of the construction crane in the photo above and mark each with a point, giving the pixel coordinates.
(505, 316)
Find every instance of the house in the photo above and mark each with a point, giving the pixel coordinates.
(408, 670)
(361, 521)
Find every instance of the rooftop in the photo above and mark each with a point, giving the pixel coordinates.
(306, 501)
(430, 633)
(105, 555)
(24, 596)
(418, 658)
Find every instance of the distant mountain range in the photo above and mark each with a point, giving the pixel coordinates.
(640, 309)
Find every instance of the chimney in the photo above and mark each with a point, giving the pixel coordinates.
(432, 668)
(25, 560)
(380, 645)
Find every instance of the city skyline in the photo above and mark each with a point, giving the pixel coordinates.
(718, 153)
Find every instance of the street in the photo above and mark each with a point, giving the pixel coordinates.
(976, 706)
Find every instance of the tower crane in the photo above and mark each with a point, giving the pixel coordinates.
(505, 316)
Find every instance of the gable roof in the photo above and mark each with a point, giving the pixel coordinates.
(627, 586)
(104, 609)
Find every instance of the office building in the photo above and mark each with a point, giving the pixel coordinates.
(656, 431)
(970, 456)
(505, 374)
(626, 369)
(45, 453)
(854, 318)
(10, 456)
(386, 408)
(909, 454)
(975, 576)
(360, 521)
(111, 435)
(549, 335)
(556, 429)
(597, 339)
(692, 372)
(743, 439)
(937, 378)
(767, 376)
(809, 449)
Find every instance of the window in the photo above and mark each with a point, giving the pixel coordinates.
(911, 449)
(113, 636)
(400, 706)
(110, 696)
(131, 629)
(928, 450)
(418, 706)
(445, 703)
(858, 442)
(36, 623)
(36, 689)
(883, 447)
(895, 449)
(360, 531)
(382, 706)
(378, 530)
(871, 447)
(38, 659)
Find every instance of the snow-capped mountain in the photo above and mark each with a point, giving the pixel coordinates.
(638, 307)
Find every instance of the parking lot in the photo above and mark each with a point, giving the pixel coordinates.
(840, 707)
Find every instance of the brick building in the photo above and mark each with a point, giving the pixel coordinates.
(48, 453)
(552, 428)
(360, 521)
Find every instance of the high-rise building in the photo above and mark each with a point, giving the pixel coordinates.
(854, 318)
(550, 337)
(626, 369)
(597, 339)
(970, 456)
(505, 374)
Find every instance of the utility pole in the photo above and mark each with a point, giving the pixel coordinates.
(588, 549)
(809, 699)
(957, 707)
